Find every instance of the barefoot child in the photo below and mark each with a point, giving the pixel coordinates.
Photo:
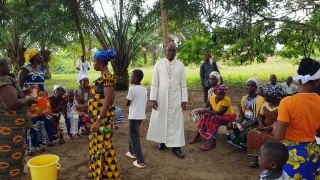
(137, 101)
(273, 156)
(70, 107)
(58, 104)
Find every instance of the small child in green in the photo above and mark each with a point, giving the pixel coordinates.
(137, 102)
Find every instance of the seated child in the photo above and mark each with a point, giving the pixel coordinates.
(58, 104)
(70, 107)
(273, 156)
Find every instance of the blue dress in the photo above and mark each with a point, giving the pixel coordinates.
(39, 134)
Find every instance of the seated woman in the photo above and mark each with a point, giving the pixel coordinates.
(298, 123)
(81, 95)
(214, 80)
(250, 106)
(267, 116)
(219, 113)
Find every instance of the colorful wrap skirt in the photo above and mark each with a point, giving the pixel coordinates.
(256, 139)
(12, 152)
(303, 162)
(209, 124)
(235, 136)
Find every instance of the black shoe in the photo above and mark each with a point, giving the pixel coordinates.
(178, 153)
(162, 146)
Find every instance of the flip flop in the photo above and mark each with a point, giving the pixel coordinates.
(135, 163)
(128, 154)
(205, 148)
(194, 140)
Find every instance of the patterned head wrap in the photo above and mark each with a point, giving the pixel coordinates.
(105, 55)
(216, 75)
(274, 91)
(30, 54)
(55, 87)
(220, 89)
(82, 76)
(255, 80)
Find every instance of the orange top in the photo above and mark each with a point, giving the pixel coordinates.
(226, 101)
(302, 114)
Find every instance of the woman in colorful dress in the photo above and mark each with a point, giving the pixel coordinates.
(298, 123)
(219, 113)
(15, 118)
(82, 94)
(58, 104)
(31, 75)
(267, 116)
(250, 106)
(214, 80)
(103, 161)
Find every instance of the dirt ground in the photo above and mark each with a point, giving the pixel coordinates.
(223, 162)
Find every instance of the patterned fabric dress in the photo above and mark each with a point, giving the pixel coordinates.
(250, 109)
(84, 119)
(12, 135)
(257, 138)
(103, 161)
(41, 133)
(58, 107)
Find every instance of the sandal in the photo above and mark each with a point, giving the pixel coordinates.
(253, 164)
(29, 152)
(88, 176)
(206, 148)
(40, 149)
(194, 140)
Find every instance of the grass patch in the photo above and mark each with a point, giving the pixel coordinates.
(234, 76)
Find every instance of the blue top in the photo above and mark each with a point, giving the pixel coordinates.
(35, 77)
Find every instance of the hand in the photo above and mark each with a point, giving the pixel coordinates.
(155, 105)
(96, 126)
(268, 128)
(184, 105)
(274, 126)
(203, 88)
(261, 127)
(32, 100)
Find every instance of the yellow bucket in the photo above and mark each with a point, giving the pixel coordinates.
(44, 167)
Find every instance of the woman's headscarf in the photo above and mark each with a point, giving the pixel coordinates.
(30, 54)
(255, 80)
(82, 76)
(55, 87)
(215, 74)
(105, 55)
(274, 91)
(220, 89)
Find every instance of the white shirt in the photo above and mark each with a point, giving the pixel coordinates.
(83, 66)
(289, 89)
(138, 95)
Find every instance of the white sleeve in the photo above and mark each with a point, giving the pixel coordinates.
(130, 94)
(155, 84)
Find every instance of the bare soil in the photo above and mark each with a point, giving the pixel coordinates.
(223, 162)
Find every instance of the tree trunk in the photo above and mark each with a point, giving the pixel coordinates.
(122, 75)
(164, 19)
(154, 56)
(90, 45)
(46, 57)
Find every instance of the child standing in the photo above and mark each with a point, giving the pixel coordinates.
(70, 107)
(273, 156)
(137, 102)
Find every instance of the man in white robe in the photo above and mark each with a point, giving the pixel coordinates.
(169, 95)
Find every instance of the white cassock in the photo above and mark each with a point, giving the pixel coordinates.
(169, 89)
